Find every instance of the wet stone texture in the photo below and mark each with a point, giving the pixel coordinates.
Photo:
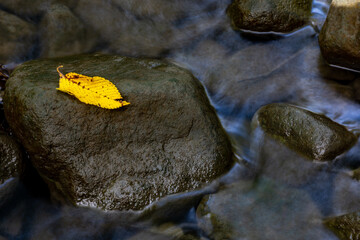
(260, 210)
(345, 226)
(11, 158)
(312, 135)
(269, 15)
(339, 38)
(168, 140)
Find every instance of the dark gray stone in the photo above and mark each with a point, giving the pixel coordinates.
(62, 33)
(312, 135)
(339, 38)
(11, 158)
(260, 210)
(168, 140)
(346, 226)
(269, 15)
(16, 37)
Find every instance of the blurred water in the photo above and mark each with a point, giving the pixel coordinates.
(241, 71)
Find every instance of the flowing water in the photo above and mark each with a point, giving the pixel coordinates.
(241, 71)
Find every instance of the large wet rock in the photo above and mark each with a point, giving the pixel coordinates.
(168, 140)
(339, 37)
(346, 226)
(269, 15)
(260, 210)
(312, 135)
(62, 33)
(11, 158)
(16, 37)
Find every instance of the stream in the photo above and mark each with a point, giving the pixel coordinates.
(240, 71)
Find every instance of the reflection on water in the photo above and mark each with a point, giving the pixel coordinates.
(240, 72)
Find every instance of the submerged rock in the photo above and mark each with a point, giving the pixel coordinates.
(11, 158)
(33, 8)
(346, 194)
(170, 11)
(127, 33)
(168, 140)
(280, 163)
(339, 38)
(260, 210)
(269, 15)
(346, 226)
(62, 33)
(16, 37)
(312, 135)
(242, 79)
(166, 231)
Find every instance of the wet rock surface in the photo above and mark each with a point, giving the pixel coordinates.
(339, 38)
(346, 226)
(11, 158)
(269, 15)
(260, 210)
(312, 135)
(168, 140)
(63, 33)
(16, 37)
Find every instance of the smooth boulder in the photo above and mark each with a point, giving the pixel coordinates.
(339, 38)
(168, 140)
(313, 135)
(269, 15)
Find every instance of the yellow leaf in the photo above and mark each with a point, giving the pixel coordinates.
(91, 90)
